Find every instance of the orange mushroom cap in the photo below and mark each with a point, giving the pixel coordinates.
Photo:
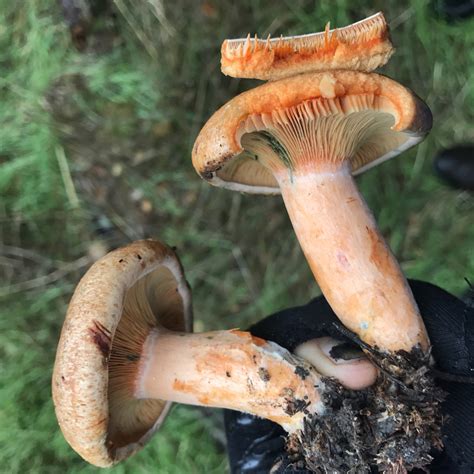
(103, 422)
(400, 120)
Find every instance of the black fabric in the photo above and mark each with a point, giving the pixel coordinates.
(453, 10)
(255, 444)
(456, 165)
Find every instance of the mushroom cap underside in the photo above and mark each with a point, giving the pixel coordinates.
(398, 121)
(86, 408)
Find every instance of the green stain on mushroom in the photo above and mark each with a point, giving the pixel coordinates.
(278, 148)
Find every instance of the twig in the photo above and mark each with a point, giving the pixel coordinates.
(66, 177)
(439, 374)
(244, 270)
(44, 280)
(402, 18)
(159, 12)
(9, 250)
(128, 16)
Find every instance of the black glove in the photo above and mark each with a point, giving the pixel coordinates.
(254, 444)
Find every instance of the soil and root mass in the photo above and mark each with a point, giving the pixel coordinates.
(390, 427)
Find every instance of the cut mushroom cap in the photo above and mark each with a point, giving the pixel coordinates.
(362, 46)
(304, 136)
(86, 409)
(123, 352)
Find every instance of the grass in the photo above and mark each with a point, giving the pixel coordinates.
(95, 151)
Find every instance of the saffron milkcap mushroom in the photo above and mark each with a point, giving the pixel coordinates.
(362, 46)
(305, 137)
(125, 353)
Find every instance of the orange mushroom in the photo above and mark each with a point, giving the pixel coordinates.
(125, 353)
(304, 137)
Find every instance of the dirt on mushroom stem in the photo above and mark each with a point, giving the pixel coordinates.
(393, 425)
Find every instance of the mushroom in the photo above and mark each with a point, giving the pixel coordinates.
(304, 137)
(362, 46)
(125, 353)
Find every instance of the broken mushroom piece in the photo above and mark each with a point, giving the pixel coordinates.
(362, 46)
(305, 137)
(125, 353)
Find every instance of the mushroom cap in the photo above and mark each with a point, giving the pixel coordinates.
(218, 153)
(80, 383)
(362, 46)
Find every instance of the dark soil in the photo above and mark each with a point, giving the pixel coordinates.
(390, 427)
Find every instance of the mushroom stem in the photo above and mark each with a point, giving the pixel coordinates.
(350, 260)
(229, 369)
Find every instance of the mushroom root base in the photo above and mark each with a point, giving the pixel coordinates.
(394, 424)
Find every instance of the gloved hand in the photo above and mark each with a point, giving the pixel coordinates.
(254, 444)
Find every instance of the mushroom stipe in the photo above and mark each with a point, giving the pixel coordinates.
(311, 133)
